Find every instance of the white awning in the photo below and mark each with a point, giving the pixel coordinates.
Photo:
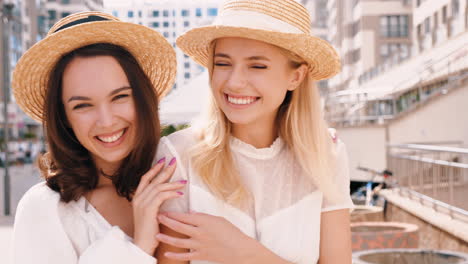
(186, 102)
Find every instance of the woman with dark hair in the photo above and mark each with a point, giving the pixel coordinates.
(94, 82)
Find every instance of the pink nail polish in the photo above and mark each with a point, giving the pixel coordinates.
(183, 181)
(161, 160)
(173, 160)
(180, 193)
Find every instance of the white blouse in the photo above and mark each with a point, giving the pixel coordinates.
(286, 209)
(48, 231)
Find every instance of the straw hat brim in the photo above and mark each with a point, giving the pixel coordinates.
(322, 58)
(154, 54)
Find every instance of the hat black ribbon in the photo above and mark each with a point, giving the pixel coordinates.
(81, 21)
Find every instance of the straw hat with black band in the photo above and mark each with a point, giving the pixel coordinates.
(284, 23)
(152, 51)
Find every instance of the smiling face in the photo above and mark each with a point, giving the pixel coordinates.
(250, 80)
(99, 107)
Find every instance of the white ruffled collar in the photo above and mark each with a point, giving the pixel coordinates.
(246, 149)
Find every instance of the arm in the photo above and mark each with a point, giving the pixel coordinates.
(163, 247)
(40, 237)
(210, 238)
(335, 237)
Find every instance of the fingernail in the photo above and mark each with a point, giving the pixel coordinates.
(173, 160)
(180, 193)
(161, 160)
(183, 181)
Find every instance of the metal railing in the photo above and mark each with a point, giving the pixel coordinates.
(395, 105)
(436, 176)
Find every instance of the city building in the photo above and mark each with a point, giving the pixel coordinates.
(57, 9)
(368, 33)
(30, 21)
(407, 82)
(318, 18)
(171, 18)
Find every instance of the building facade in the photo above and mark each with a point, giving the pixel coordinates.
(171, 18)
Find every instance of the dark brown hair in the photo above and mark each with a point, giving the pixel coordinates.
(68, 167)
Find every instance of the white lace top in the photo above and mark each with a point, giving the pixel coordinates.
(285, 214)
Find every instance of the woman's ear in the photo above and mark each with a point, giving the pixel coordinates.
(298, 76)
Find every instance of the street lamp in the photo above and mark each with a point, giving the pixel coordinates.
(6, 17)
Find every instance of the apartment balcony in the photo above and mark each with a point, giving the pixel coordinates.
(390, 92)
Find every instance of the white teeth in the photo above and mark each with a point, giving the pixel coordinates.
(241, 101)
(112, 138)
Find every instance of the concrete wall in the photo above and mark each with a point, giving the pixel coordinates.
(429, 236)
(366, 148)
(442, 119)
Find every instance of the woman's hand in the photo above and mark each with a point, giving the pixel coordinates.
(211, 238)
(150, 194)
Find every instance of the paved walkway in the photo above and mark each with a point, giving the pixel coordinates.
(6, 228)
(22, 178)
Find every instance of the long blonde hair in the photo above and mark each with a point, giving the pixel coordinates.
(300, 124)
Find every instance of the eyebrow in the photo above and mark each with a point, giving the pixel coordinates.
(223, 55)
(116, 91)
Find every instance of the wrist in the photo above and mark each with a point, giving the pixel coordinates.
(146, 247)
(258, 253)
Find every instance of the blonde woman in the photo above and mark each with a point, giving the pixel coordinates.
(266, 181)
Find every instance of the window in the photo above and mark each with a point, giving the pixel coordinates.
(185, 12)
(155, 24)
(455, 7)
(130, 14)
(173, 23)
(115, 13)
(165, 13)
(166, 34)
(187, 65)
(427, 25)
(390, 49)
(198, 12)
(166, 24)
(186, 56)
(65, 1)
(394, 26)
(384, 50)
(187, 75)
(212, 11)
(444, 14)
(65, 14)
(139, 13)
(155, 13)
(52, 14)
(186, 23)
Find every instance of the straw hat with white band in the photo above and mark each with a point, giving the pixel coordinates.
(284, 23)
(152, 51)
